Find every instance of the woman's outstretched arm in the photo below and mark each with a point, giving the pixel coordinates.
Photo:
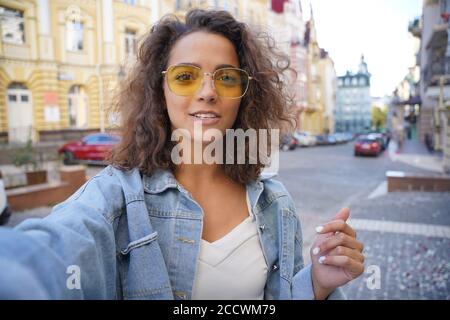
(70, 254)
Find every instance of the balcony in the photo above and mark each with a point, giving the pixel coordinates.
(435, 69)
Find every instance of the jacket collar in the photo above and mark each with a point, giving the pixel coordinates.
(159, 181)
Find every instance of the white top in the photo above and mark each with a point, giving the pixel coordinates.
(232, 267)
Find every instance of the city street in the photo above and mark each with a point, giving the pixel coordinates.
(406, 234)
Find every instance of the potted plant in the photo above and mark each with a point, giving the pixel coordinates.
(32, 163)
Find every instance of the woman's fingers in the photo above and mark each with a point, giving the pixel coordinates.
(340, 239)
(337, 225)
(352, 266)
(344, 251)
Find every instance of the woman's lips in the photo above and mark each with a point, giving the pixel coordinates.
(205, 121)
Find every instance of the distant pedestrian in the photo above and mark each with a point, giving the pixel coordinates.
(388, 137)
(429, 142)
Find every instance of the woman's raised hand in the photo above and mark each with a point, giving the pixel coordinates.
(336, 255)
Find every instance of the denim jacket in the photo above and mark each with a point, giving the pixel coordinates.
(127, 236)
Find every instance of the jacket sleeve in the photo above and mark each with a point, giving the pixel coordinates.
(70, 254)
(302, 287)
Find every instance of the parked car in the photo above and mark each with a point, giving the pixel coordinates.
(321, 140)
(5, 211)
(366, 145)
(304, 139)
(342, 137)
(288, 142)
(331, 139)
(92, 148)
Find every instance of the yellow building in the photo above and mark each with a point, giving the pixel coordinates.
(318, 117)
(253, 12)
(60, 60)
(328, 90)
(312, 119)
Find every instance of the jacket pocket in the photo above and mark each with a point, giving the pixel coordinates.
(143, 271)
(140, 242)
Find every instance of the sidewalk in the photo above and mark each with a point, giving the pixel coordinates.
(414, 153)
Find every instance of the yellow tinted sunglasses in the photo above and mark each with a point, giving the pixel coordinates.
(186, 80)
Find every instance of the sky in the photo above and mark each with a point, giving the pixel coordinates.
(376, 28)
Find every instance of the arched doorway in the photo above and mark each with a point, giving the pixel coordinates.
(20, 113)
(78, 107)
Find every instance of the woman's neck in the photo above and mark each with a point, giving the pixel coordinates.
(198, 175)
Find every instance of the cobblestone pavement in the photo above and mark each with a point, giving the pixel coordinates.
(410, 267)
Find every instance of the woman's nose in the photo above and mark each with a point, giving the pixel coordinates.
(207, 91)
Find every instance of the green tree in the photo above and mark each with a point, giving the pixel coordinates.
(379, 116)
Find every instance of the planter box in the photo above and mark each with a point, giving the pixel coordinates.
(36, 177)
(47, 194)
(403, 181)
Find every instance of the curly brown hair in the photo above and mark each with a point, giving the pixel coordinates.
(146, 131)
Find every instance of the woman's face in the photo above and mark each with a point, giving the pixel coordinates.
(209, 52)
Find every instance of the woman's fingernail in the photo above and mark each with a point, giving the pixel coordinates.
(319, 229)
(316, 250)
(321, 259)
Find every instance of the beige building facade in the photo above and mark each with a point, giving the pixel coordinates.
(61, 60)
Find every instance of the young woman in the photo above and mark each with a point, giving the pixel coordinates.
(147, 227)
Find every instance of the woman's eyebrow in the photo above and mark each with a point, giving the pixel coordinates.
(197, 65)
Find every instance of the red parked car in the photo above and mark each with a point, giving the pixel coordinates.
(365, 145)
(92, 148)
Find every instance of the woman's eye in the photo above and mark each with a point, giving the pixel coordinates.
(228, 79)
(184, 77)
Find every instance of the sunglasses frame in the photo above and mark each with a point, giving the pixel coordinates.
(164, 72)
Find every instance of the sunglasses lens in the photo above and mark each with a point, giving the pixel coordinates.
(184, 80)
(231, 83)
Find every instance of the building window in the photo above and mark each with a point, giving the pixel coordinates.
(130, 43)
(74, 33)
(12, 25)
(130, 2)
